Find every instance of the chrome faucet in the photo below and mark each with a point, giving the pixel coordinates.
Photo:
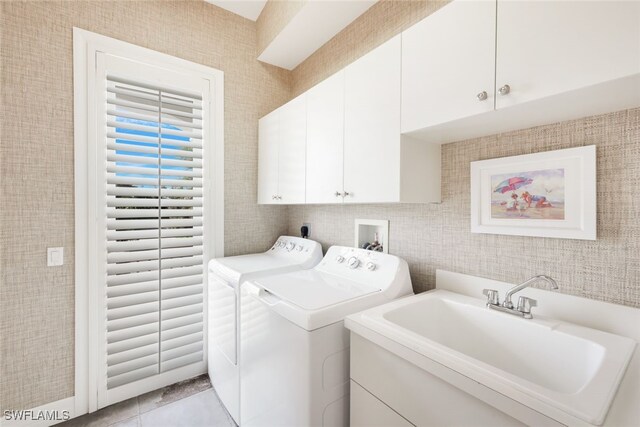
(524, 304)
(507, 298)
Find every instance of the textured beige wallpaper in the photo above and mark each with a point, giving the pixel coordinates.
(36, 162)
(274, 18)
(437, 236)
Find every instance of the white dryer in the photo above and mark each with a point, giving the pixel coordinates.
(294, 369)
(225, 276)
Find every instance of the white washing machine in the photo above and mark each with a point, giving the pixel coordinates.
(225, 276)
(294, 369)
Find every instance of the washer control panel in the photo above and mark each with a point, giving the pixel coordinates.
(373, 268)
(293, 245)
(340, 258)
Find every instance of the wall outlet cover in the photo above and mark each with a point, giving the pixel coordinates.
(55, 257)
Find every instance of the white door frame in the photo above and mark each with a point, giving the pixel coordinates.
(85, 47)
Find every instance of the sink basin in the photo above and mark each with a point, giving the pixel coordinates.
(560, 365)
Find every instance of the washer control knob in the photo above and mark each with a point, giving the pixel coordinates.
(371, 266)
(299, 248)
(353, 262)
(339, 259)
(291, 246)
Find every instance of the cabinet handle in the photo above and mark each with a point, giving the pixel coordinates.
(482, 95)
(504, 90)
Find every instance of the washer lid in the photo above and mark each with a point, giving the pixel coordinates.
(313, 290)
(234, 267)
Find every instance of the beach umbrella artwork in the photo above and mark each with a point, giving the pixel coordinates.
(512, 184)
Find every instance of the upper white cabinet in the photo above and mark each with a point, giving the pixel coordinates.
(325, 141)
(550, 60)
(282, 154)
(545, 48)
(372, 126)
(355, 153)
(448, 63)
(292, 151)
(268, 128)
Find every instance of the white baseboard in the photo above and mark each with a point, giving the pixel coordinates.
(39, 416)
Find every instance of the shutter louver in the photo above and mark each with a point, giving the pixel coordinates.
(154, 227)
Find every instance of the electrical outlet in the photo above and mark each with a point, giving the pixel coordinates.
(308, 225)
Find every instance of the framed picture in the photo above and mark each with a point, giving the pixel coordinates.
(550, 194)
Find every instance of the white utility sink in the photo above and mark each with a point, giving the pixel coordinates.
(560, 365)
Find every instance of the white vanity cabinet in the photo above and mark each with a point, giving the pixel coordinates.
(539, 62)
(282, 154)
(400, 392)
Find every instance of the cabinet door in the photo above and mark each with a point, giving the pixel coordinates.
(292, 151)
(325, 136)
(549, 47)
(268, 158)
(448, 65)
(372, 126)
(368, 411)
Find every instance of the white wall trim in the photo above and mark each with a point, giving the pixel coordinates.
(85, 47)
(59, 406)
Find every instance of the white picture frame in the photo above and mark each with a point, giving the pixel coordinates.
(549, 194)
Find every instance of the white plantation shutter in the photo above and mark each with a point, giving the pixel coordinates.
(154, 226)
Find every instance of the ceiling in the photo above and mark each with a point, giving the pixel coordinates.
(249, 9)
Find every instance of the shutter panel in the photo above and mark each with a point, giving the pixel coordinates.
(154, 230)
(182, 340)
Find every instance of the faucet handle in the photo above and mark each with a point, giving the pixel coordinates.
(525, 304)
(492, 296)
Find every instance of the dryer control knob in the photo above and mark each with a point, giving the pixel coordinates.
(291, 246)
(339, 259)
(371, 266)
(353, 262)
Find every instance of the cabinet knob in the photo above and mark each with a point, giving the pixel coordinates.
(345, 194)
(338, 194)
(482, 95)
(273, 197)
(504, 90)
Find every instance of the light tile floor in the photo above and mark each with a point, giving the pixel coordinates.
(191, 403)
